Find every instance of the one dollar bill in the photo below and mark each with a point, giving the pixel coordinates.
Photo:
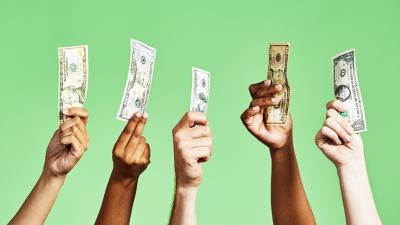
(277, 73)
(200, 90)
(73, 77)
(347, 89)
(138, 84)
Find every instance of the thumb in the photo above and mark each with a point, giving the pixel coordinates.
(247, 116)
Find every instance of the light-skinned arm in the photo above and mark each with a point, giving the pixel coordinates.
(192, 147)
(131, 156)
(337, 140)
(288, 198)
(66, 147)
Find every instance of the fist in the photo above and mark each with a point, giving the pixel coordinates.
(68, 143)
(253, 118)
(337, 140)
(192, 147)
(131, 153)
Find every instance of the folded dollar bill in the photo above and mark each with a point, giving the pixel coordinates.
(138, 84)
(277, 73)
(347, 89)
(73, 77)
(200, 90)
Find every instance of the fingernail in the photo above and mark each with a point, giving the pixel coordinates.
(65, 111)
(278, 87)
(348, 138)
(267, 82)
(138, 114)
(146, 115)
(344, 114)
(275, 100)
(256, 108)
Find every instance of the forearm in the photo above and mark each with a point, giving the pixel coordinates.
(184, 209)
(357, 196)
(37, 206)
(118, 200)
(289, 200)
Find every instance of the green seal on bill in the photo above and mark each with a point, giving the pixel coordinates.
(344, 114)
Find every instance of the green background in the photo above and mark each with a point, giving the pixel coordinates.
(230, 40)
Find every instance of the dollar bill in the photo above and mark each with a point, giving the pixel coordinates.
(200, 90)
(138, 84)
(73, 77)
(277, 73)
(347, 89)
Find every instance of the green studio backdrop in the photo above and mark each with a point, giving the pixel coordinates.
(227, 38)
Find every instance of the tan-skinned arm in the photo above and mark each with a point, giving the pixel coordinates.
(131, 156)
(66, 147)
(288, 198)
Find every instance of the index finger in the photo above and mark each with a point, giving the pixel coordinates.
(77, 111)
(337, 105)
(191, 119)
(140, 126)
(128, 131)
(253, 88)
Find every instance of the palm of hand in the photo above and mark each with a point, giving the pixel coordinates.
(341, 154)
(275, 136)
(60, 159)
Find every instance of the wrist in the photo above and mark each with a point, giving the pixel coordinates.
(186, 191)
(118, 177)
(48, 178)
(283, 151)
(354, 169)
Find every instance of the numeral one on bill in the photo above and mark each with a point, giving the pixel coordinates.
(73, 77)
(347, 89)
(138, 84)
(277, 73)
(200, 90)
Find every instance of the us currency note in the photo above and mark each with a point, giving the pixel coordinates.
(73, 77)
(200, 90)
(347, 89)
(277, 73)
(138, 84)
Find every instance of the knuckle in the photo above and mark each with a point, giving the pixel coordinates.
(181, 145)
(135, 136)
(329, 120)
(330, 112)
(74, 129)
(324, 129)
(208, 130)
(178, 136)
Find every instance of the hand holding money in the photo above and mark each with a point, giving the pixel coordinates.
(337, 139)
(131, 153)
(192, 147)
(68, 143)
(264, 96)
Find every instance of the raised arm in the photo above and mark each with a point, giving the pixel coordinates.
(192, 147)
(288, 198)
(65, 149)
(131, 156)
(345, 149)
